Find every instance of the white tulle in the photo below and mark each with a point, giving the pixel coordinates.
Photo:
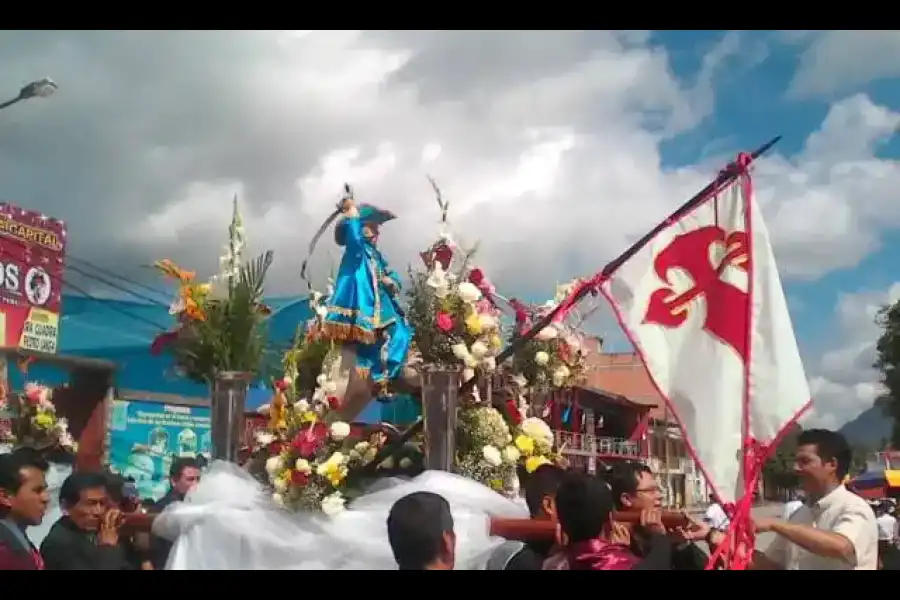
(55, 477)
(230, 522)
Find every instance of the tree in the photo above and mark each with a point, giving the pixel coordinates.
(778, 472)
(888, 363)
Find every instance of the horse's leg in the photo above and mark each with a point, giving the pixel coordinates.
(358, 390)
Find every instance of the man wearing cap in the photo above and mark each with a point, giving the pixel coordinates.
(364, 307)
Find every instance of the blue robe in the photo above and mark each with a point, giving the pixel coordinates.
(364, 311)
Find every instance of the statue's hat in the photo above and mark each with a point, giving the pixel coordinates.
(367, 214)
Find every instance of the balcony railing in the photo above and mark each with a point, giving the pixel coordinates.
(584, 444)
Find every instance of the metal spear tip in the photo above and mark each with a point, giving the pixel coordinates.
(41, 88)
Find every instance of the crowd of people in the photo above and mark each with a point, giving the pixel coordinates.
(833, 529)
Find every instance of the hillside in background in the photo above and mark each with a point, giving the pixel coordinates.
(868, 429)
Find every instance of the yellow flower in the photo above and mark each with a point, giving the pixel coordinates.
(334, 472)
(496, 343)
(525, 445)
(44, 420)
(533, 462)
(496, 485)
(308, 417)
(473, 324)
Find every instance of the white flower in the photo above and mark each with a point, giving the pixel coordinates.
(301, 405)
(264, 438)
(488, 322)
(479, 349)
(321, 312)
(468, 292)
(560, 375)
(66, 440)
(541, 358)
(274, 466)
(330, 387)
(492, 456)
(263, 409)
(287, 380)
(302, 465)
(361, 447)
(547, 333)
(459, 351)
(278, 499)
(333, 504)
(321, 380)
(315, 297)
(339, 430)
(405, 463)
(470, 361)
(489, 364)
(281, 485)
(468, 374)
(538, 430)
(520, 381)
(511, 454)
(438, 281)
(177, 306)
(62, 423)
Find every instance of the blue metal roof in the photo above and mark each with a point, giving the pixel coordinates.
(121, 331)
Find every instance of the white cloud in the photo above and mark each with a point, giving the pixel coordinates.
(842, 61)
(842, 380)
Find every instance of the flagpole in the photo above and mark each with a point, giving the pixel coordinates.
(725, 178)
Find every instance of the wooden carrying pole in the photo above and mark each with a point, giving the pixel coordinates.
(511, 529)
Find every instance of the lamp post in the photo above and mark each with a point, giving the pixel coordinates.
(36, 89)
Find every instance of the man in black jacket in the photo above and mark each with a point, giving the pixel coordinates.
(87, 537)
(635, 487)
(183, 477)
(540, 495)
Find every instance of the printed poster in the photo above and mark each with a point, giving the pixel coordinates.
(145, 437)
(32, 260)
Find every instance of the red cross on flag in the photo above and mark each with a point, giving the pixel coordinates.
(703, 305)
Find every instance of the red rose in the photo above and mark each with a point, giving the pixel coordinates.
(281, 385)
(476, 277)
(444, 322)
(308, 440)
(298, 478)
(513, 412)
(274, 448)
(443, 254)
(334, 402)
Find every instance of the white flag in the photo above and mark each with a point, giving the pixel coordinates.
(703, 305)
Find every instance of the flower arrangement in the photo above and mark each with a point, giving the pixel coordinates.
(35, 423)
(554, 356)
(221, 323)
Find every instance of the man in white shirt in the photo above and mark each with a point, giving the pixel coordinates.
(835, 529)
(887, 525)
(715, 515)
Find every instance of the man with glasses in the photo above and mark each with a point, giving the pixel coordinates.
(634, 487)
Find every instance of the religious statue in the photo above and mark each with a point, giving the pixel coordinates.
(364, 309)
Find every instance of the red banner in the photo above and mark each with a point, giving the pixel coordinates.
(32, 260)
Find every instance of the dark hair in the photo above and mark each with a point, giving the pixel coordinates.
(115, 487)
(623, 478)
(543, 482)
(76, 483)
(182, 463)
(584, 504)
(416, 527)
(11, 466)
(830, 445)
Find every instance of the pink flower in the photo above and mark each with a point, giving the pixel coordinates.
(444, 322)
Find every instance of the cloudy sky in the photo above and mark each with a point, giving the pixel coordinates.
(555, 149)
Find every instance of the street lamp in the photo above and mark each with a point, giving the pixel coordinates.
(36, 89)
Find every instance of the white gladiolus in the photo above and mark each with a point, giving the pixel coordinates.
(468, 374)
(339, 430)
(541, 358)
(488, 322)
(492, 456)
(278, 499)
(511, 454)
(274, 466)
(301, 405)
(333, 504)
(468, 292)
(459, 351)
(479, 349)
